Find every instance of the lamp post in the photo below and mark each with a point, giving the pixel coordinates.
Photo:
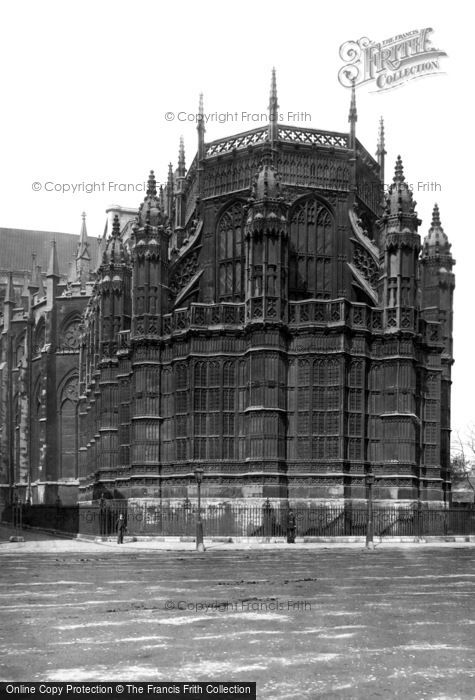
(199, 523)
(369, 511)
(18, 519)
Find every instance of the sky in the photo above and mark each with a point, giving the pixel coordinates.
(86, 87)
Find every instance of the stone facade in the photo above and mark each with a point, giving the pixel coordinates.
(268, 317)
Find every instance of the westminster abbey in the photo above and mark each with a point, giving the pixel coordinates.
(269, 315)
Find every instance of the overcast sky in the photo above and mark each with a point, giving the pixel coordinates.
(85, 87)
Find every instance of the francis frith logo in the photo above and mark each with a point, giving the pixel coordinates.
(389, 63)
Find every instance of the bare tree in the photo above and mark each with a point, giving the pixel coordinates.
(462, 457)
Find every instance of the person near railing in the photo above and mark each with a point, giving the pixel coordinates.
(121, 528)
(291, 527)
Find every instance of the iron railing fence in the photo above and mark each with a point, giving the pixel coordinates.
(227, 520)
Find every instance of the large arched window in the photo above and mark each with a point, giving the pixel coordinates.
(231, 254)
(311, 251)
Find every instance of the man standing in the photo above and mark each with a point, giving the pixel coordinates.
(291, 527)
(120, 529)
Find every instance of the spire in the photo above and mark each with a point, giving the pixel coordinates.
(398, 171)
(101, 246)
(436, 242)
(381, 142)
(170, 190)
(170, 176)
(201, 110)
(114, 252)
(399, 199)
(116, 227)
(436, 218)
(273, 109)
(83, 243)
(181, 158)
(381, 150)
(10, 290)
(353, 115)
(201, 129)
(151, 209)
(83, 258)
(53, 266)
(151, 185)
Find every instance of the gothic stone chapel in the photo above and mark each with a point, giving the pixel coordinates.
(268, 316)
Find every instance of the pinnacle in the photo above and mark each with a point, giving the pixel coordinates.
(181, 158)
(116, 227)
(436, 217)
(151, 185)
(273, 104)
(398, 171)
(381, 143)
(353, 115)
(53, 267)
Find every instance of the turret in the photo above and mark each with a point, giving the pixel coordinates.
(113, 280)
(400, 245)
(150, 265)
(437, 279)
(266, 232)
(180, 210)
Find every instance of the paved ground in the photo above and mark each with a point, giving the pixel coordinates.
(304, 622)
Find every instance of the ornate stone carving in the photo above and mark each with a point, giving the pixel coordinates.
(71, 336)
(365, 264)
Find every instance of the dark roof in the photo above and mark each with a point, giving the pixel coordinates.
(17, 246)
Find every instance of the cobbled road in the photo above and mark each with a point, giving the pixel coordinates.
(302, 623)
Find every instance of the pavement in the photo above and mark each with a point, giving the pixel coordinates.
(35, 540)
(305, 621)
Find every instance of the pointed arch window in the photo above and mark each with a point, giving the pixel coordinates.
(311, 251)
(230, 254)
